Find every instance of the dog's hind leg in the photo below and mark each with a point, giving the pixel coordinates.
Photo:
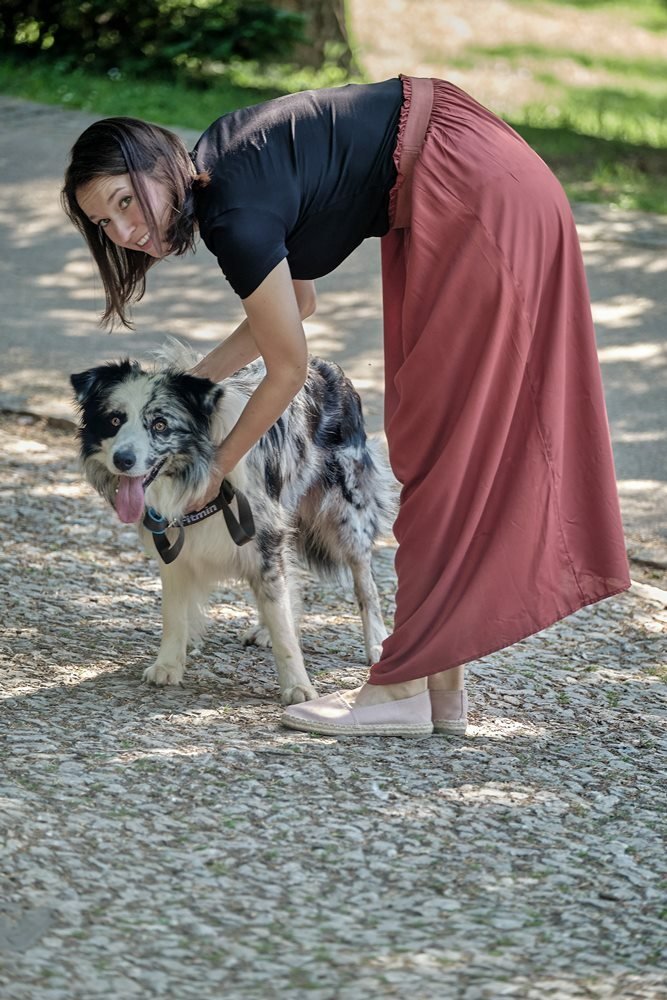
(365, 589)
(170, 663)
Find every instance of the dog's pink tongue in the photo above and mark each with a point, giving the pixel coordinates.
(130, 499)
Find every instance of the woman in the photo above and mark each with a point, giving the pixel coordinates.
(494, 410)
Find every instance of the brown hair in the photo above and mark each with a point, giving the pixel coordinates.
(131, 146)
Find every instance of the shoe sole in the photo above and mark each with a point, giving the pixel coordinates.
(450, 727)
(420, 729)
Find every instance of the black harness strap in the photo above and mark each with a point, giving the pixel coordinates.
(241, 529)
(158, 525)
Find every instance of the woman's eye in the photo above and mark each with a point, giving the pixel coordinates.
(124, 202)
(103, 223)
(159, 425)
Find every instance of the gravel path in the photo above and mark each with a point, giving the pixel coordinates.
(180, 844)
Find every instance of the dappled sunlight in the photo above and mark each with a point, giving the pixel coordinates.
(621, 311)
(80, 268)
(502, 729)
(639, 437)
(156, 753)
(499, 793)
(24, 448)
(60, 489)
(321, 342)
(640, 499)
(640, 485)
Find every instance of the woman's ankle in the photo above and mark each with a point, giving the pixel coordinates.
(374, 694)
(448, 680)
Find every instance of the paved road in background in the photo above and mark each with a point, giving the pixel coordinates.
(50, 302)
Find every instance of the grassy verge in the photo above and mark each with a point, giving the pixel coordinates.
(168, 102)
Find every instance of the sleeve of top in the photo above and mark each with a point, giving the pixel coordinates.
(248, 243)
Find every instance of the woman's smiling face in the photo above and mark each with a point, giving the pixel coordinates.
(110, 202)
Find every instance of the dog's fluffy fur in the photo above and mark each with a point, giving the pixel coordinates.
(320, 493)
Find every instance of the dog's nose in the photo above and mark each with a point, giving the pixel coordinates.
(124, 460)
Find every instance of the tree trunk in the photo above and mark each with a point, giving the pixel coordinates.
(325, 23)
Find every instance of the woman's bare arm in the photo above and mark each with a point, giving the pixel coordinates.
(273, 330)
(240, 348)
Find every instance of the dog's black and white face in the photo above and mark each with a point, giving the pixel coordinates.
(136, 426)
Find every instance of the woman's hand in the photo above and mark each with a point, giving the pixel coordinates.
(212, 489)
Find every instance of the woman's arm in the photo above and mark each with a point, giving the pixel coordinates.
(240, 348)
(273, 314)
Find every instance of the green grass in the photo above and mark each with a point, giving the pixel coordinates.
(171, 103)
(614, 64)
(606, 140)
(650, 14)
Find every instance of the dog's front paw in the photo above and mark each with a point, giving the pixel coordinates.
(257, 635)
(164, 673)
(297, 693)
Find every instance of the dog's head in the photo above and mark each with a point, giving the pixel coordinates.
(139, 429)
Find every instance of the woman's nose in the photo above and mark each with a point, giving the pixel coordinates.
(123, 230)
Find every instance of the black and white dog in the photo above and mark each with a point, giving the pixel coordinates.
(319, 491)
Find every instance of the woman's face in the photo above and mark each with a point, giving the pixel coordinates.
(110, 203)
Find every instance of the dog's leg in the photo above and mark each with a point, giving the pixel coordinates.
(170, 663)
(272, 595)
(375, 630)
(258, 633)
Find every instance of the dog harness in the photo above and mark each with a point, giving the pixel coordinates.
(242, 529)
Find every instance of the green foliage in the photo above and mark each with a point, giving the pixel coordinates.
(154, 36)
(167, 101)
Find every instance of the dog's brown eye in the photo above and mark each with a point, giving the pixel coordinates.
(159, 425)
(115, 421)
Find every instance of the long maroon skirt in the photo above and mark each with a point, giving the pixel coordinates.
(494, 410)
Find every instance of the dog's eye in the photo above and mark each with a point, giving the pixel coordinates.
(159, 425)
(115, 421)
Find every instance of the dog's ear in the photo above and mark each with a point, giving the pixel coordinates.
(205, 394)
(84, 383)
(213, 396)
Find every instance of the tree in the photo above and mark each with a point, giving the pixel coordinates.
(326, 30)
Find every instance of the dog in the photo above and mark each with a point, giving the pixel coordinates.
(320, 493)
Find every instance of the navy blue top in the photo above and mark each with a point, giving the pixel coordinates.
(306, 177)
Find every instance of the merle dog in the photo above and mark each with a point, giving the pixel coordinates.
(319, 491)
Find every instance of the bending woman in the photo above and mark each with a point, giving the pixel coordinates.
(494, 410)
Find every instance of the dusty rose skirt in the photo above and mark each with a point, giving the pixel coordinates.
(494, 410)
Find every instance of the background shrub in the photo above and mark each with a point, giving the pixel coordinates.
(149, 36)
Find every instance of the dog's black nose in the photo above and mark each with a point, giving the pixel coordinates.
(124, 460)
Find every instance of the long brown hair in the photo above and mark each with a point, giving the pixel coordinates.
(131, 146)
